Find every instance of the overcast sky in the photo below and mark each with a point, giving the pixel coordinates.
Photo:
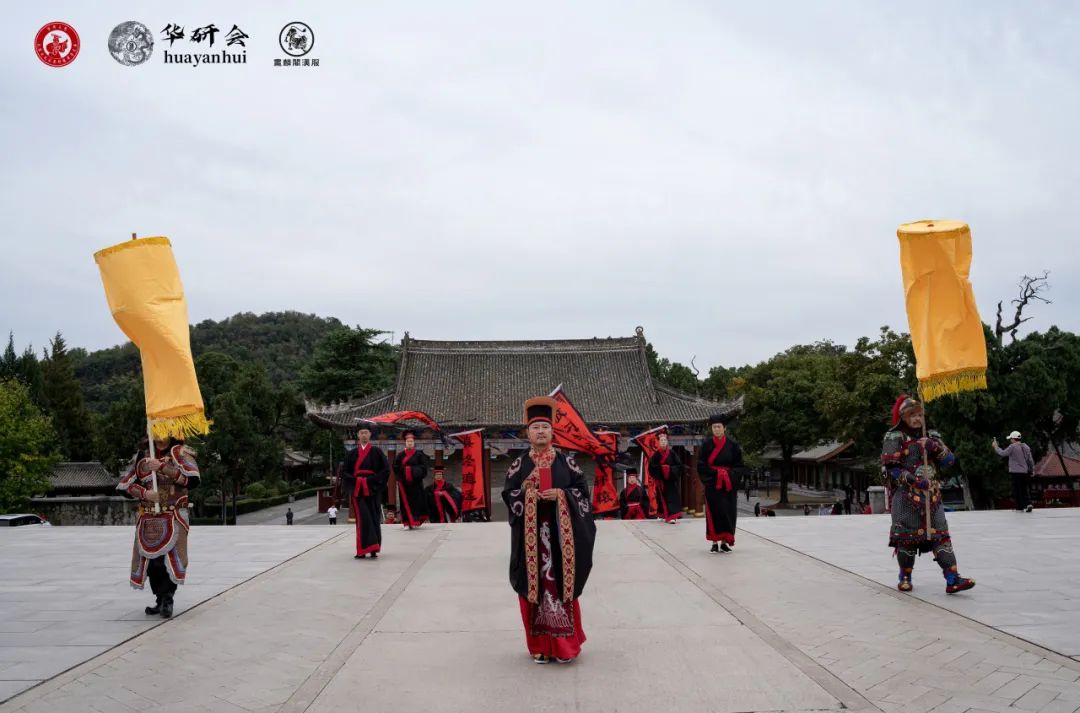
(728, 175)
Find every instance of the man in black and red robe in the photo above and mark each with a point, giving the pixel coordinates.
(410, 469)
(364, 475)
(633, 500)
(443, 499)
(552, 533)
(666, 467)
(720, 466)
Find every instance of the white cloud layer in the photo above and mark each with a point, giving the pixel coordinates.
(728, 175)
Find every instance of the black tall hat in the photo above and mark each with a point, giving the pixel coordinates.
(540, 408)
(724, 418)
(362, 424)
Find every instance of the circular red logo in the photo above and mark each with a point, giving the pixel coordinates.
(57, 44)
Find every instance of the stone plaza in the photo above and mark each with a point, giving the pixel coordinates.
(803, 615)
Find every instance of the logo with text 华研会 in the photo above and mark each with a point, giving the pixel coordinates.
(131, 43)
(296, 39)
(201, 45)
(57, 44)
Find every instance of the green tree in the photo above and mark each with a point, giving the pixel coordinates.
(716, 384)
(64, 402)
(871, 375)
(1033, 387)
(673, 374)
(783, 398)
(27, 447)
(9, 361)
(26, 368)
(119, 430)
(348, 364)
(29, 371)
(246, 443)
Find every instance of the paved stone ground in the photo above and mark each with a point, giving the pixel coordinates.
(1026, 566)
(65, 597)
(305, 512)
(765, 628)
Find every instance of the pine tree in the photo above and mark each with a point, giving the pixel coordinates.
(9, 362)
(64, 402)
(28, 370)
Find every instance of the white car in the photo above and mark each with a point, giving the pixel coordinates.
(23, 519)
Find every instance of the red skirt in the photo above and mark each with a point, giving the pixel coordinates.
(563, 647)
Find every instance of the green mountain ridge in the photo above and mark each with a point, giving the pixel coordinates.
(280, 342)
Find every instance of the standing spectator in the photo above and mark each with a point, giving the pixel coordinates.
(1021, 466)
(288, 516)
(806, 509)
(332, 514)
(757, 509)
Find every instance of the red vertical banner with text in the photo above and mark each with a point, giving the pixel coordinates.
(605, 495)
(473, 490)
(650, 443)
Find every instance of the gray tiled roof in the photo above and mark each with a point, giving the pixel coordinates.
(462, 384)
(81, 477)
(823, 451)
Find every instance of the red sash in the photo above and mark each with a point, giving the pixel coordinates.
(408, 468)
(440, 495)
(361, 474)
(723, 475)
(664, 468)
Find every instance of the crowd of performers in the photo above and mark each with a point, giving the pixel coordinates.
(549, 510)
(720, 468)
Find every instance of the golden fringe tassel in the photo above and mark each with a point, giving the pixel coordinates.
(181, 427)
(952, 383)
(129, 244)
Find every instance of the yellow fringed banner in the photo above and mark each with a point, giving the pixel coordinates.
(946, 331)
(146, 298)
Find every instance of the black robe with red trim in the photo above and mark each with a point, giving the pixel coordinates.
(721, 488)
(636, 496)
(362, 485)
(566, 476)
(410, 471)
(667, 468)
(443, 501)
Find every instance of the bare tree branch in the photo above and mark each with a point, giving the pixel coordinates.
(1031, 289)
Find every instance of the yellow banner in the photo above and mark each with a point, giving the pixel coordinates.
(946, 331)
(142, 285)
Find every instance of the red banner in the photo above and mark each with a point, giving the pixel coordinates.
(473, 489)
(650, 443)
(399, 416)
(571, 431)
(605, 496)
